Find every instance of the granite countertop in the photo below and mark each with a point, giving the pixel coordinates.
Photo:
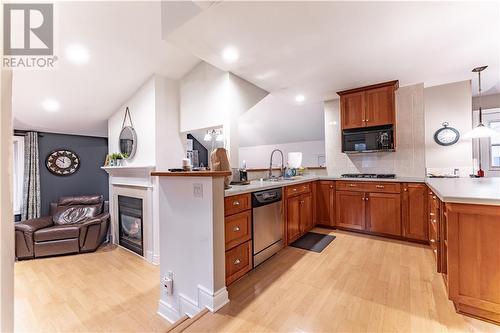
(482, 191)
(257, 185)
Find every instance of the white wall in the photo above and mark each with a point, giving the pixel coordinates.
(487, 102)
(197, 234)
(258, 156)
(210, 98)
(409, 158)
(203, 98)
(6, 224)
(170, 144)
(142, 110)
(451, 103)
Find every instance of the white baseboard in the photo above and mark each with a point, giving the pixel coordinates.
(168, 312)
(212, 301)
(190, 307)
(155, 259)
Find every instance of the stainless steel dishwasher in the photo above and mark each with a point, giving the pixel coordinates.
(267, 224)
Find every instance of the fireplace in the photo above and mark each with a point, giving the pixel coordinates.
(130, 224)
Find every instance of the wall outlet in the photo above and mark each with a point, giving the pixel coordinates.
(198, 190)
(168, 283)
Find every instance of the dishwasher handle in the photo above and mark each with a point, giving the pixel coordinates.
(266, 197)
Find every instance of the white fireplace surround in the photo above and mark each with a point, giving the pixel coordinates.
(136, 182)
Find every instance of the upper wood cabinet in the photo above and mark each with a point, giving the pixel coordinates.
(415, 212)
(352, 108)
(368, 106)
(325, 203)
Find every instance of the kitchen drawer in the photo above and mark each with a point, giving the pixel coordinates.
(298, 189)
(382, 187)
(238, 228)
(236, 203)
(238, 262)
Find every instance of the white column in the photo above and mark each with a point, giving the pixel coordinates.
(192, 244)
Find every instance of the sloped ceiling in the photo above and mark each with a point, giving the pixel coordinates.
(318, 48)
(126, 47)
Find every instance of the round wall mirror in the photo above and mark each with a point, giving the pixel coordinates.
(128, 141)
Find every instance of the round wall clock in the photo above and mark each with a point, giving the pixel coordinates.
(62, 162)
(446, 136)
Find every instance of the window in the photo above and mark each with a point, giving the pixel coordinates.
(18, 173)
(495, 146)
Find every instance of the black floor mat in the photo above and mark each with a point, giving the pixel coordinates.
(313, 241)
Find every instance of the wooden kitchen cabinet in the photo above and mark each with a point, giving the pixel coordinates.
(293, 218)
(473, 241)
(299, 210)
(353, 110)
(368, 106)
(350, 207)
(238, 236)
(325, 203)
(380, 106)
(306, 218)
(383, 213)
(415, 213)
(434, 226)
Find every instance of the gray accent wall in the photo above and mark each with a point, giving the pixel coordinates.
(89, 179)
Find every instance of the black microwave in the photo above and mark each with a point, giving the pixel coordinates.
(368, 139)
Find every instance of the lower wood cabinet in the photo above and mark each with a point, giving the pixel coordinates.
(299, 211)
(238, 236)
(325, 203)
(473, 259)
(373, 212)
(383, 213)
(350, 208)
(414, 215)
(238, 262)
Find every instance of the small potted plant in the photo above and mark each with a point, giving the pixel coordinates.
(119, 159)
(115, 159)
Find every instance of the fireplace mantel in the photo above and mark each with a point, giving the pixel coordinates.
(130, 175)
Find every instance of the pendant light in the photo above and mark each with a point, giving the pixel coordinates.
(480, 131)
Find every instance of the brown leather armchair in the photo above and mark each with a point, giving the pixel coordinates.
(75, 225)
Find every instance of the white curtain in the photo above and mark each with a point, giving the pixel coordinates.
(31, 188)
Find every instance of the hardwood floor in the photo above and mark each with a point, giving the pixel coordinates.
(357, 284)
(111, 290)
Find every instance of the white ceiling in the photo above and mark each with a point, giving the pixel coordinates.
(318, 48)
(126, 47)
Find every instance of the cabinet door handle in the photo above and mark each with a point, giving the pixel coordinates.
(294, 189)
(434, 197)
(366, 120)
(331, 186)
(432, 240)
(366, 198)
(237, 262)
(236, 203)
(432, 214)
(380, 186)
(406, 190)
(236, 229)
(352, 185)
(434, 221)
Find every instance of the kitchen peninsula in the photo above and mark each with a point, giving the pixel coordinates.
(458, 218)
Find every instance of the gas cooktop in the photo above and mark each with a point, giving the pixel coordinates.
(368, 175)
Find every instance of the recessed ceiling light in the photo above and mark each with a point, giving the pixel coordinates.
(230, 54)
(300, 98)
(77, 54)
(50, 105)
